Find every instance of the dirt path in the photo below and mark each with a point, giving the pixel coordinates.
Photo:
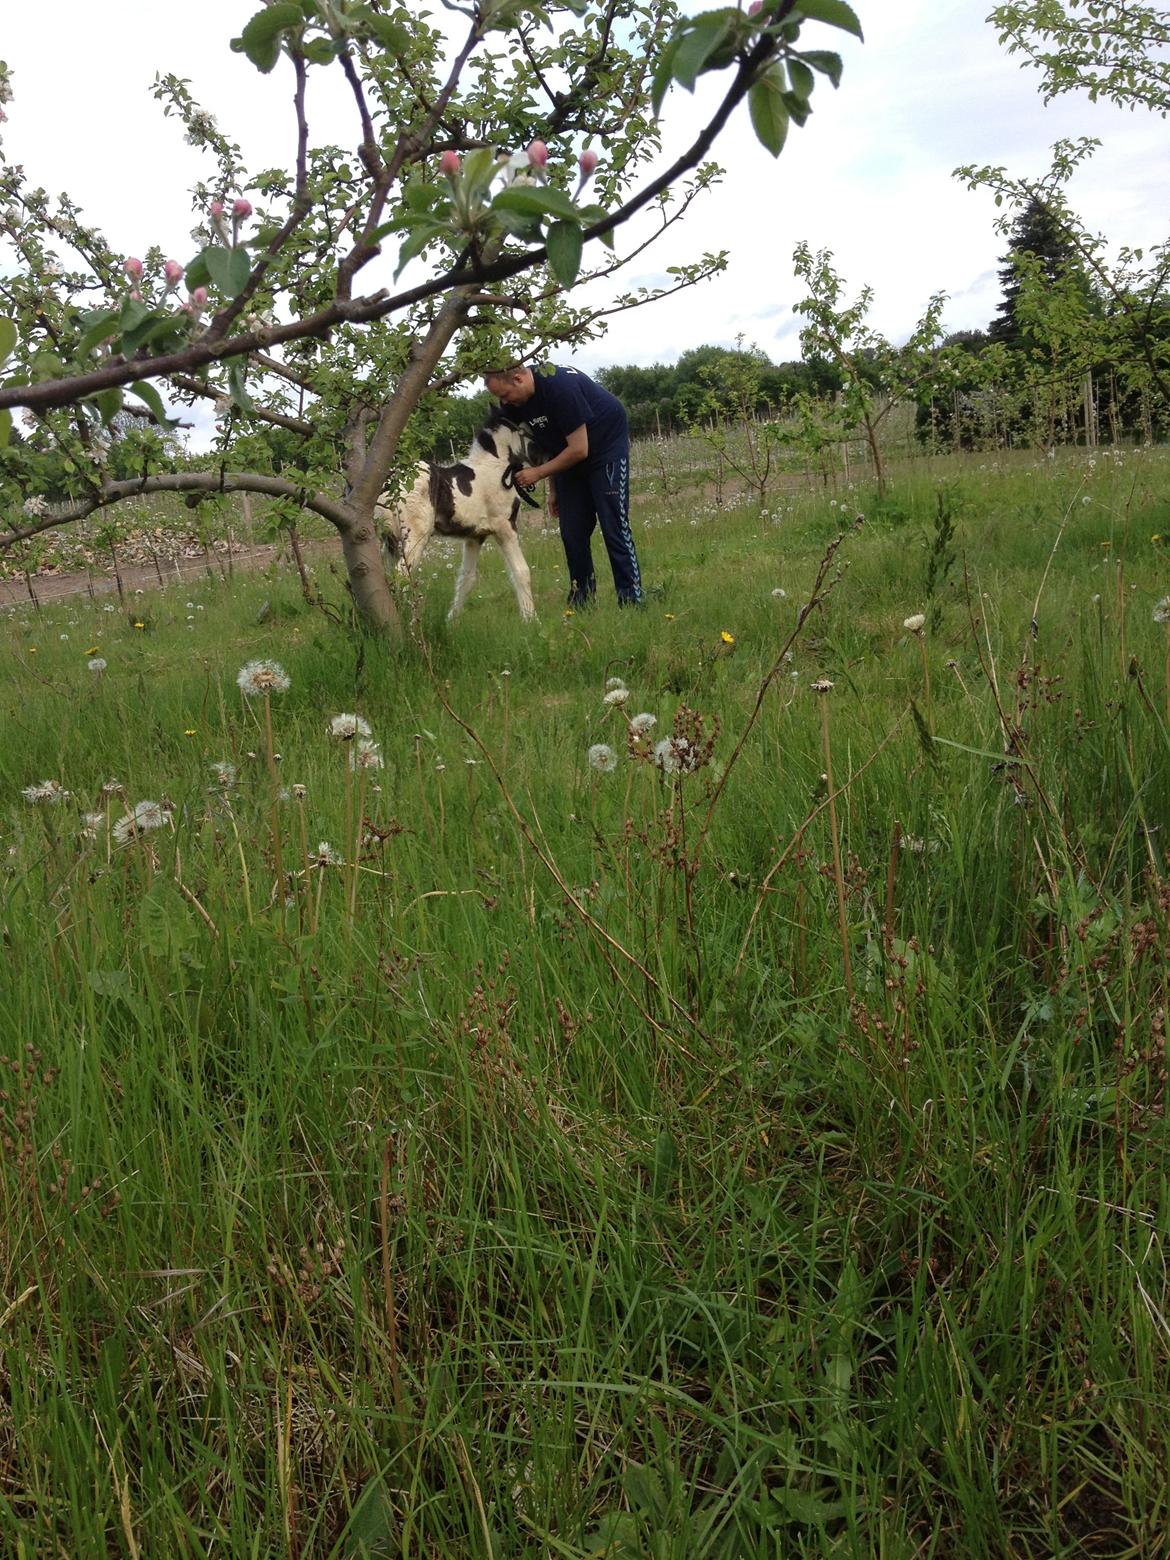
(145, 577)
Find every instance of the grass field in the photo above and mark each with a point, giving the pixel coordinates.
(760, 1152)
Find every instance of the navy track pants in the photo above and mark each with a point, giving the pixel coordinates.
(587, 496)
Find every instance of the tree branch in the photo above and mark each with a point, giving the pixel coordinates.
(209, 482)
(378, 305)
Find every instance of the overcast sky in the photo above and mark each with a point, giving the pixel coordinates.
(869, 177)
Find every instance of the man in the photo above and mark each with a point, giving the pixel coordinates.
(584, 435)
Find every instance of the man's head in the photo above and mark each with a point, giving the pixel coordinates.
(512, 386)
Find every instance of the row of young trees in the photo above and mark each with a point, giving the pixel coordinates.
(1072, 356)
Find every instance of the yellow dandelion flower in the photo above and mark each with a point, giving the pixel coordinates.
(728, 639)
(568, 612)
(1157, 536)
(670, 617)
(93, 650)
(32, 649)
(189, 732)
(140, 625)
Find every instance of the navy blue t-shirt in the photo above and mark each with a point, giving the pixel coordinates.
(566, 398)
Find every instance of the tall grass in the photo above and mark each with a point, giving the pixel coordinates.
(536, 1188)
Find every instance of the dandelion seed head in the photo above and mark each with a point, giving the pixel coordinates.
(617, 696)
(46, 793)
(96, 664)
(916, 623)
(343, 728)
(225, 773)
(643, 723)
(260, 677)
(326, 856)
(1162, 610)
(822, 685)
(614, 682)
(142, 819)
(602, 758)
(365, 755)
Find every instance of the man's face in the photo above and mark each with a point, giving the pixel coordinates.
(512, 390)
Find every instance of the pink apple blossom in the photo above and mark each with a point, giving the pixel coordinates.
(172, 271)
(199, 297)
(538, 154)
(133, 267)
(216, 208)
(450, 164)
(756, 7)
(587, 162)
(241, 208)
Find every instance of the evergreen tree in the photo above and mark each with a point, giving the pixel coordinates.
(1039, 233)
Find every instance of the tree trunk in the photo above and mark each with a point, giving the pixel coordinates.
(367, 579)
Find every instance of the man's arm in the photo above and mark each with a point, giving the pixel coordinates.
(575, 451)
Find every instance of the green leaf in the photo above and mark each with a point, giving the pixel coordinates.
(237, 373)
(769, 114)
(99, 326)
(146, 392)
(835, 13)
(645, 1491)
(696, 47)
(153, 324)
(663, 74)
(424, 233)
(5, 426)
(7, 339)
(260, 39)
(802, 79)
(389, 33)
(372, 1532)
(134, 311)
(108, 403)
(565, 243)
(534, 200)
(320, 51)
(46, 365)
(197, 274)
(164, 922)
(828, 63)
(229, 268)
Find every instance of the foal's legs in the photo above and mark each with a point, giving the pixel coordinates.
(465, 580)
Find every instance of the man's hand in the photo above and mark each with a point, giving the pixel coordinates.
(551, 500)
(528, 476)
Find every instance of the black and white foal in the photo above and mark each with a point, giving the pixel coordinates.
(474, 499)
